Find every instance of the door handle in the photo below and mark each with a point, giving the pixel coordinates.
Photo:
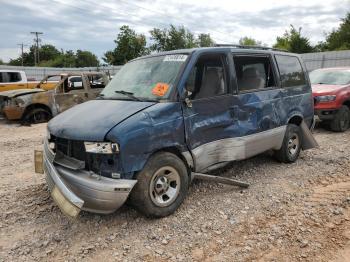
(21, 85)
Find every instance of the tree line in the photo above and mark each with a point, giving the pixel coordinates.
(129, 45)
(50, 56)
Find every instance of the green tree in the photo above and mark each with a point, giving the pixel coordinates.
(65, 59)
(85, 59)
(339, 39)
(1, 62)
(129, 45)
(46, 52)
(204, 40)
(50, 56)
(293, 41)
(249, 41)
(172, 39)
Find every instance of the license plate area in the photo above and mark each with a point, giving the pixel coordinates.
(64, 204)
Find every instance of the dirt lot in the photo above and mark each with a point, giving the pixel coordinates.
(290, 213)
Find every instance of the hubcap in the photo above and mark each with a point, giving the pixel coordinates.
(293, 144)
(165, 186)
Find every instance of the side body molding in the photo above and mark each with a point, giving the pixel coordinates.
(237, 148)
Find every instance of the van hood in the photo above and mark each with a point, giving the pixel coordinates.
(92, 120)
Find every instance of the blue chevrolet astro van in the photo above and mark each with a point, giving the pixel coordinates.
(168, 115)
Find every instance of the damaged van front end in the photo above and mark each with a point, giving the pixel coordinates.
(84, 170)
(88, 190)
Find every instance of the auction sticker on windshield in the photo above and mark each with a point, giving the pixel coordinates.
(160, 89)
(175, 58)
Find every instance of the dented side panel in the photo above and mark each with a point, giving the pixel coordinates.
(157, 127)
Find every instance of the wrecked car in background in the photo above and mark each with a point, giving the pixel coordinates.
(37, 105)
(170, 117)
(331, 91)
(14, 79)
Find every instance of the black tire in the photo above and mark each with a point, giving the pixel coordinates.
(36, 116)
(341, 120)
(291, 146)
(145, 196)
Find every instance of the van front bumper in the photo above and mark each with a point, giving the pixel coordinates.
(75, 190)
(326, 114)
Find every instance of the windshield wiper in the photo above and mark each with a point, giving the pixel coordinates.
(128, 94)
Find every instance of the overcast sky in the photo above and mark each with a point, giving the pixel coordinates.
(93, 25)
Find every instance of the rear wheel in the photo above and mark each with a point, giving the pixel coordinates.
(341, 120)
(36, 116)
(291, 145)
(161, 186)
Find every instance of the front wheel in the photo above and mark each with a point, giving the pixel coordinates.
(36, 116)
(341, 120)
(291, 146)
(161, 186)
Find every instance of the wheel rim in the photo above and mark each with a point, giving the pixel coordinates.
(293, 144)
(165, 186)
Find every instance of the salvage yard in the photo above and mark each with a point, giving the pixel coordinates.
(290, 212)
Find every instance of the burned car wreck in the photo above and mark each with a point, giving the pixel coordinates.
(168, 117)
(38, 105)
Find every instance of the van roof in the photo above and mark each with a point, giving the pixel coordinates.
(232, 48)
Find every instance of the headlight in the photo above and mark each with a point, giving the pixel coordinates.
(325, 98)
(101, 147)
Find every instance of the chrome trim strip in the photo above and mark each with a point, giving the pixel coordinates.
(237, 148)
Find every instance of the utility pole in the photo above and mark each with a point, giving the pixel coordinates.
(36, 53)
(22, 45)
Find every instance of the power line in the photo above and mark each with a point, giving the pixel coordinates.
(22, 45)
(36, 53)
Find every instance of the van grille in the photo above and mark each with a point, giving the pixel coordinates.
(71, 148)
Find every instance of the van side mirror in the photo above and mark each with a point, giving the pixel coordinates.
(187, 98)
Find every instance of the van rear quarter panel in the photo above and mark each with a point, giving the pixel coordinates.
(297, 100)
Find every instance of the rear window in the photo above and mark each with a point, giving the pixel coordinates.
(290, 70)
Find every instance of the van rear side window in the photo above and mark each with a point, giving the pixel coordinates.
(253, 72)
(291, 71)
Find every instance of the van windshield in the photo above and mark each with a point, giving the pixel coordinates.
(330, 77)
(145, 79)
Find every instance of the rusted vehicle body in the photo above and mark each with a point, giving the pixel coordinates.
(37, 105)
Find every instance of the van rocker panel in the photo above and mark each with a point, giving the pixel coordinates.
(237, 148)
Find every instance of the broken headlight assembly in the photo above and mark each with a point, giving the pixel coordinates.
(323, 99)
(101, 147)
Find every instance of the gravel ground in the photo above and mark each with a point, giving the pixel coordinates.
(294, 212)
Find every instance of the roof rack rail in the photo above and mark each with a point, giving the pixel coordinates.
(251, 47)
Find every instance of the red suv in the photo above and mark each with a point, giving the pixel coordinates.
(331, 92)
